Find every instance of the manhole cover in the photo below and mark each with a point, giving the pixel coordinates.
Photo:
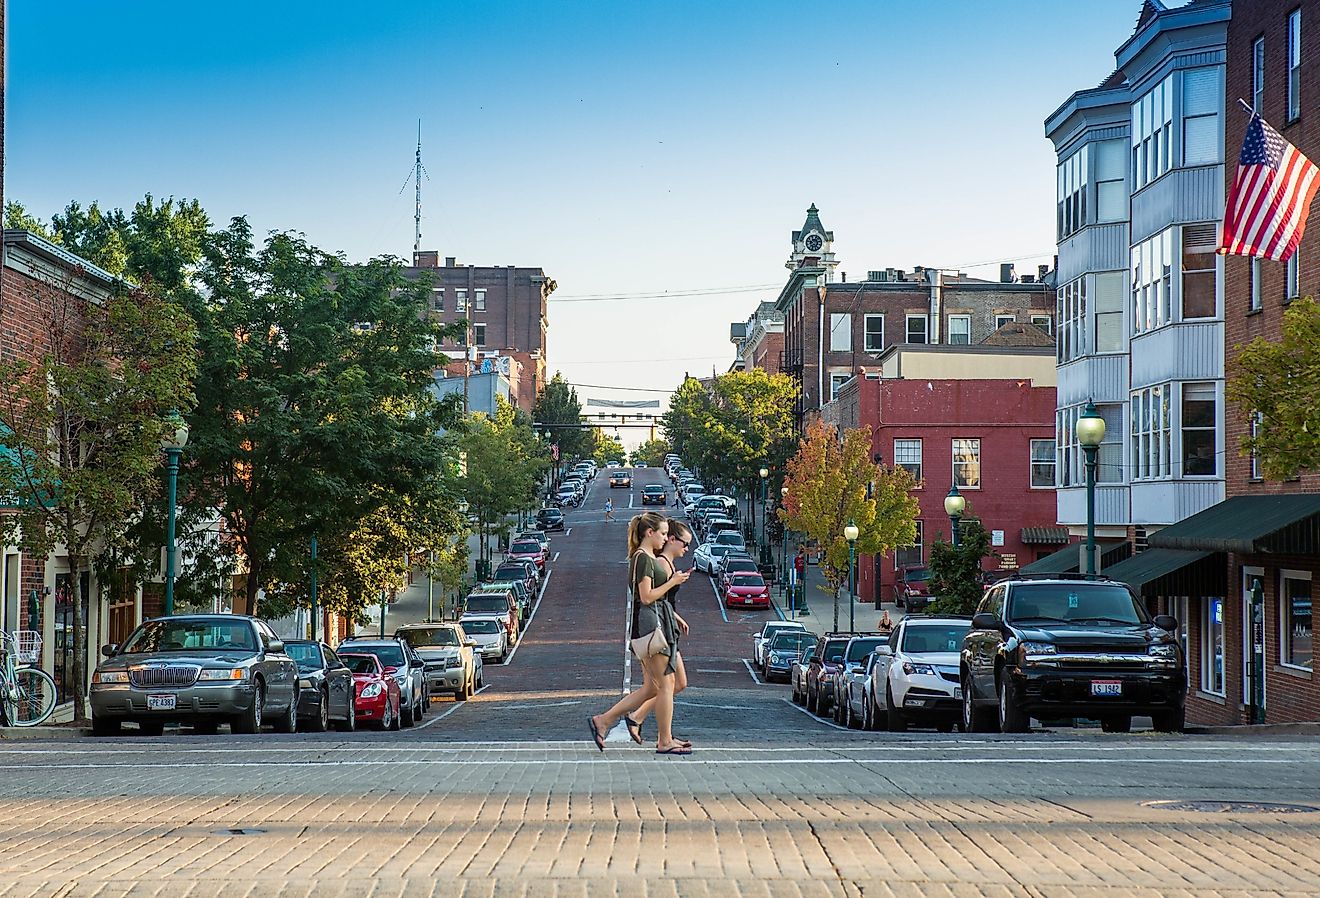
(1232, 807)
(240, 831)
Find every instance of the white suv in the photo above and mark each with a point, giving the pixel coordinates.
(918, 680)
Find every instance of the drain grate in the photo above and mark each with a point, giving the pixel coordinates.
(1232, 807)
(239, 831)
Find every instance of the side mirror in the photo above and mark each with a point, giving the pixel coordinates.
(1167, 622)
(883, 650)
(390, 671)
(417, 665)
(985, 621)
(470, 644)
(276, 646)
(109, 649)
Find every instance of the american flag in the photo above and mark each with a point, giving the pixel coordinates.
(1266, 211)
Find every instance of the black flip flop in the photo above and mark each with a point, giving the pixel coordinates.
(595, 733)
(634, 729)
(674, 750)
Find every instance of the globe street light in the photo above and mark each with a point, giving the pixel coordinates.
(175, 438)
(783, 551)
(850, 533)
(1090, 434)
(765, 485)
(954, 506)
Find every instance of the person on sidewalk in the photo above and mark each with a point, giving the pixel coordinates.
(680, 539)
(886, 625)
(609, 509)
(650, 580)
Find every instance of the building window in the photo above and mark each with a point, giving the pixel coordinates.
(479, 334)
(907, 455)
(1254, 423)
(836, 383)
(437, 299)
(460, 300)
(875, 333)
(1212, 646)
(1151, 432)
(1255, 284)
(479, 300)
(1111, 181)
(1109, 293)
(1198, 430)
(1001, 320)
(1291, 288)
(1071, 299)
(840, 332)
(1294, 65)
(960, 330)
(1258, 75)
(1042, 464)
(912, 554)
(1070, 459)
(1043, 322)
(1072, 174)
(1202, 98)
(1152, 133)
(916, 328)
(1152, 281)
(1198, 270)
(967, 463)
(1295, 646)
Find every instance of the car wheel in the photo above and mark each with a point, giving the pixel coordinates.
(406, 718)
(204, 727)
(250, 721)
(1116, 723)
(1170, 721)
(107, 726)
(321, 722)
(151, 727)
(349, 723)
(849, 719)
(1012, 719)
(397, 720)
(945, 724)
(288, 721)
(894, 716)
(974, 719)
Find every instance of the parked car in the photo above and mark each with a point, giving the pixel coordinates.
(498, 602)
(377, 693)
(325, 687)
(734, 557)
(718, 525)
(707, 556)
(198, 669)
(824, 664)
(746, 591)
(852, 673)
(548, 519)
(620, 478)
(517, 570)
(489, 635)
(728, 538)
(1059, 647)
(401, 662)
(691, 492)
(918, 681)
(734, 565)
(539, 535)
(784, 650)
(654, 494)
(767, 632)
(527, 550)
(450, 663)
(567, 496)
(912, 587)
(520, 594)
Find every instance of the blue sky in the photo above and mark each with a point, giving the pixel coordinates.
(624, 147)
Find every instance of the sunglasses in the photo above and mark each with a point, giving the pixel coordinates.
(680, 539)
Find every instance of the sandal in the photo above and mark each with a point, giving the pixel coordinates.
(674, 750)
(634, 728)
(595, 733)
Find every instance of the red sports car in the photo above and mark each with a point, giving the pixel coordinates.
(744, 590)
(377, 693)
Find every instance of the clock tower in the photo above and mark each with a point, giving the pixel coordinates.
(813, 246)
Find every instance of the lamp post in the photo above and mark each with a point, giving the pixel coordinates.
(954, 506)
(176, 437)
(313, 587)
(783, 549)
(1090, 434)
(765, 487)
(849, 533)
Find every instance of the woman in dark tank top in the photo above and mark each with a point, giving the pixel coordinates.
(676, 546)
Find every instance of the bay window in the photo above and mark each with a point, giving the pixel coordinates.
(1202, 98)
(1199, 452)
(1152, 282)
(1151, 432)
(1152, 133)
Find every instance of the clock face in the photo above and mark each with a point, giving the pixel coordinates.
(814, 243)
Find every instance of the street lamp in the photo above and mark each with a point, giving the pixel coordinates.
(765, 486)
(850, 534)
(175, 438)
(1090, 433)
(783, 549)
(954, 506)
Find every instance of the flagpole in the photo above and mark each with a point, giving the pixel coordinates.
(1247, 106)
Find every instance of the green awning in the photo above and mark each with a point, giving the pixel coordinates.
(1173, 572)
(1044, 535)
(1287, 524)
(1069, 559)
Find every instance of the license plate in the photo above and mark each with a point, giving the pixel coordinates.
(1106, 687)
(160, 702)
(957, 692)
(749, 601)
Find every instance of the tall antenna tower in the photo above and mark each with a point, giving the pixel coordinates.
(418, 171)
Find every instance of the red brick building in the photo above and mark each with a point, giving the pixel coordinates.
(981, 414)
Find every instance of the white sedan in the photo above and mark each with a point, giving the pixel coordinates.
(708, 556)
(768, 631)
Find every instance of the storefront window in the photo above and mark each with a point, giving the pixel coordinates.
(1295, 648)
(1212, 646)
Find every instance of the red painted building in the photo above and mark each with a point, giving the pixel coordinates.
(981, 414)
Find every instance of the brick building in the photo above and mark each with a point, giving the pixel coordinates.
(834, 328)
(506, 309)
(759, 340)
(981, 415)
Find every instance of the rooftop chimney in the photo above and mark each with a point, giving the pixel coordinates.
(1005, 272)
(426, 258)
(1042, 271)
(451, 261)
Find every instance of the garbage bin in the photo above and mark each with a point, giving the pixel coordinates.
(483, 569)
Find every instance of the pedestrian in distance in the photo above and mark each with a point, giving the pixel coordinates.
(651, 634)
(676, 546)
(609, 509)
(886, 625)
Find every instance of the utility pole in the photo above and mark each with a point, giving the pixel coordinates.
(467, 362)
(417, 179)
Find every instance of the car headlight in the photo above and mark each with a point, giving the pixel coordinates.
(371, 690)
(304, 684)
(1164, 650)
(1039, 648)
(236, 673)
(912, 669)
(112, 676)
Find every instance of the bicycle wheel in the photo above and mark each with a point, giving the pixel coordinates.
(32, 698)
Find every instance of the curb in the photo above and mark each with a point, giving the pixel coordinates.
(48, 733)
(1257, 729)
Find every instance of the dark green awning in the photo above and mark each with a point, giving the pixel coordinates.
(1173, 572)
(1044, 535)
(1287, 524)
(1069, 559)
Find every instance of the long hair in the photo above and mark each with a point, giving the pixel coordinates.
(679, 529)
(639, 526)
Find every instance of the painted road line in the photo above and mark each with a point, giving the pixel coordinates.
(630, 498)
(627, 634)
(829, 723)
(568, 532)
(535, 608)
(554, 559)
(456, 706)
(751, 673)
(718, 601)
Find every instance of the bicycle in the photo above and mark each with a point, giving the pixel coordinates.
(27, 693)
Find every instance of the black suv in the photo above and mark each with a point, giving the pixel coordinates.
(1070, 647)
(548, 519)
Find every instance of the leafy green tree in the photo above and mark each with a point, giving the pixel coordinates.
(651, 452)
(504, 468)
(832, 481)
(83, 413)
(1281, 383)
(18, 218)
(955, 571)
(608, 448)
(558, 408)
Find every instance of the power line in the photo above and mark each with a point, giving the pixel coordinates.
(663, 294)
(621, 389)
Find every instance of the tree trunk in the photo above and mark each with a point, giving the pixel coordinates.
(250, 587)
(79, 640)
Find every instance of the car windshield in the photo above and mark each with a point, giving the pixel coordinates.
(528, 546)
(860, 648)
(509, 570)
(739, 564)
(1079, 603)
(191, 635)
(925, 638)
(428, 636)
(388, 655)
(720, 551)
(361, 664)
(916, 575)
(748, 580)
(477, 625)
(729, 537)
(487, 605)
(307, 654)
(791, 641)
(834, 650)
(653, 489)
